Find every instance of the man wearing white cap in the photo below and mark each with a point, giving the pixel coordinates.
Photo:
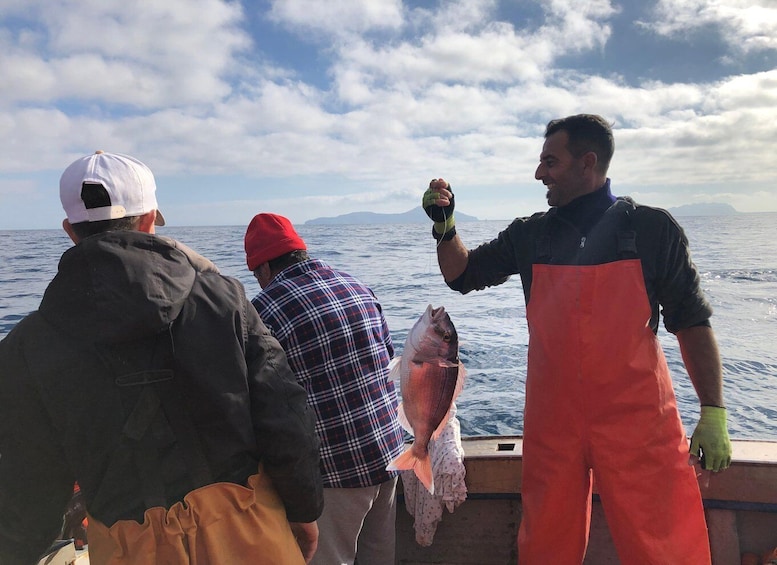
(149, 379)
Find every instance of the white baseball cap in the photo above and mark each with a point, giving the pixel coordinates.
(107, 186)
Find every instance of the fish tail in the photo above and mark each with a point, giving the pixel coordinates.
(423, 470)
(404, 462)
(422, 467)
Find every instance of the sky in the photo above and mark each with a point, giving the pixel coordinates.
(312, 108)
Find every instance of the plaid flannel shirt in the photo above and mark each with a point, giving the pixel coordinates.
(338, 344)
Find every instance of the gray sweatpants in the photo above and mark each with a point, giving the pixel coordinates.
(358, 523)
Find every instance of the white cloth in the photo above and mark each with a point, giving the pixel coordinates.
(450, 490)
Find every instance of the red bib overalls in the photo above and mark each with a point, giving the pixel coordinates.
(600, 401)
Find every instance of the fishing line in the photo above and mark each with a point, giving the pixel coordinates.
(445, 221)
(433, 251)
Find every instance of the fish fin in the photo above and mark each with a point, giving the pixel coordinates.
(438, 432)
(460, 378)
(421, 467)
(447, 364)
(423, 470)
(452, 411)
(393, 367)
(404, 462)
(403, 421)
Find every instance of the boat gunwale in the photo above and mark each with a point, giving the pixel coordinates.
(750, 482)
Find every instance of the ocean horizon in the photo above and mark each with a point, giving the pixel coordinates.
(734, 254)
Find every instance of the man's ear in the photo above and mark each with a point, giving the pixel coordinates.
(147, 222)
(590, 160)
(70, 231)
(263, 274)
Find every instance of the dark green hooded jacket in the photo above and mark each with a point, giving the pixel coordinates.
(143, 375)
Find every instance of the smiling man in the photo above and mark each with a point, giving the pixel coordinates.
(574, 166)
(596, 271)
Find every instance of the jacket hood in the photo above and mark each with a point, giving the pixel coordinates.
(121, 285)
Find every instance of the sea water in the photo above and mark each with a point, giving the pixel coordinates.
(736, 256)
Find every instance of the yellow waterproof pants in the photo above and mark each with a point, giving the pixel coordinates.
(218, 524)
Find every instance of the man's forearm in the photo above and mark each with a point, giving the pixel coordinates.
(452, 256)
(702, 361)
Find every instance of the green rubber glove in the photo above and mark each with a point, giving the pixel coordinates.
(444, 222)
(710, 440)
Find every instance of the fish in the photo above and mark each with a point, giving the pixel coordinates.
(431, 377)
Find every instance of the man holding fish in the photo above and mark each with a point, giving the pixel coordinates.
(596, 271)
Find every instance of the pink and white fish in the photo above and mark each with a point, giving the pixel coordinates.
(431, 376)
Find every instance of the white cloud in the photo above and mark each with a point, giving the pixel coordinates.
(456, 16)
(582, 24)
(156, 54)
(465, 46)
(446, 91)
(747, 25)
(495, 54)
(338, 17)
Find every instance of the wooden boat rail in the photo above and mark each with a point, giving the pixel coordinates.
(740, 507)
(494, 466)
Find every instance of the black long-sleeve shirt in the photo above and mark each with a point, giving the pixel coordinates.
(591, 230)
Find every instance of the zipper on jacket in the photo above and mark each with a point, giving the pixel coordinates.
(582, 242)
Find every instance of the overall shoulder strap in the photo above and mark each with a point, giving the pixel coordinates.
(627, 236)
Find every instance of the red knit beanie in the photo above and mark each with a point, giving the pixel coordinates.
(268, 237)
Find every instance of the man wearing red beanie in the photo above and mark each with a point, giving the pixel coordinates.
(338, 344)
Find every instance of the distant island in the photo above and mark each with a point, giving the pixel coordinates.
(417, 215)
(704, 209)
(414, 216)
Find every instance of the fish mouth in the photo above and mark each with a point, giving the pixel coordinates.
(437, 313)
(443, 326)
(433, 339)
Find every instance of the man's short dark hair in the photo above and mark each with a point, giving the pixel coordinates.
(86, 229)
(286, 260)
(587, 132)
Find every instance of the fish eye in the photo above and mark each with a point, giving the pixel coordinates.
(446, 337)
